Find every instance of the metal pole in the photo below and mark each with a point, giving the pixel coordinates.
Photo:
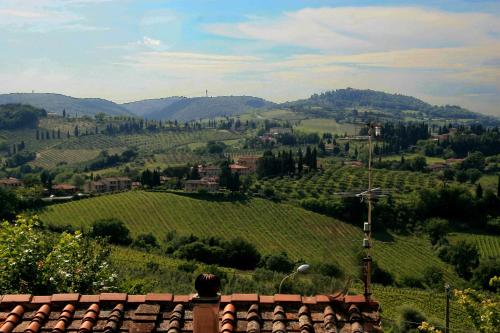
(447, 308)
(286, 277)
(368, 252)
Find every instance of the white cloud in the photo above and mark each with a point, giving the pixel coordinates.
(44, 15)
(147, 41)
(345, 30)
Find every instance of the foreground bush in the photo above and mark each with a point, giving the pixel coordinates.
(31, 264)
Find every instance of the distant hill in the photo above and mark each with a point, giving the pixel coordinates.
(184, 109)
(148, 106)
(57, 103)
(343, 103)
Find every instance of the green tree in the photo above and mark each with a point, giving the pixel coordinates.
(465, 257)
(473, 175)
(113, 229)
(475, 160)
(437, 229)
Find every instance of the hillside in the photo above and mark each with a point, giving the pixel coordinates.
(271, 227)
(145, 107)
(185, 109)
(352, 103)
(57, 103)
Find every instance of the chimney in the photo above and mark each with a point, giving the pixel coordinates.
(206, 304)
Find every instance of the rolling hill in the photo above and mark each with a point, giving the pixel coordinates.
(345, 103)
(270, 226)
(57, 103)
(145, 107)
(185, 109)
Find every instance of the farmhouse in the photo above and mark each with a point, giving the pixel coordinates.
(208, 170)
(204, 312)
(279, 130)
(202, 184)
(249, 161)
(240, 169)
(111, 184)
(64, 189)
(10, 183)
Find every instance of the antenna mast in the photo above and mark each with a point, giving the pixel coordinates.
(367, 228)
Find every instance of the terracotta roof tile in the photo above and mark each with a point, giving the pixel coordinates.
(14, 317)
(245, 298)
(113, 297)
(136, 298)
(90, 298)
(164, 313)
(40, 300)
(39, 319)
(286, 298)
(21, 298)
(266, 299)
(181, 298)
(65, 298)
(159, 298)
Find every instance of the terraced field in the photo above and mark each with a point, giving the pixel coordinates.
(431, 303)
(271, 227)
(323, 125)
(488, 245)
(148, 142)
(337, 179)
(51, 157)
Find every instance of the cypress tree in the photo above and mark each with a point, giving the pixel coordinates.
(479, 191)
(498, 187)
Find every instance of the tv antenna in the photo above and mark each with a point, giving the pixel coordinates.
(370, 195)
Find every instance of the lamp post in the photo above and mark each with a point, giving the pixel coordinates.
(301, 269)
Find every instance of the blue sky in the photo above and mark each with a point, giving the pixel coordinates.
(445, 52)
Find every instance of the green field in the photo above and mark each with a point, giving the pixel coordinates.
(339, 179)
(271, 227)
(324, 125)
(430, 160)
(488, 245)
(137, 264)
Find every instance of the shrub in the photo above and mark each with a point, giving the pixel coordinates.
(112, 229)
(30, 264)
(486, 270)
(380, 275)
(328, 269)
(188, 267)
(241, 254)
(433, 277)
(145, 241)
(278, 263)
(410, 318)
(410, 282)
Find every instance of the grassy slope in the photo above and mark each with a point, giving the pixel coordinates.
(323, 125)
(271, 227)
(137, 263)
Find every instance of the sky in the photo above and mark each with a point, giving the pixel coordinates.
(444, 52)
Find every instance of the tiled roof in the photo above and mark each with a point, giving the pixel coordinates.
(10, 180)
(118, 312)
(237, 166)
(63, 187)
